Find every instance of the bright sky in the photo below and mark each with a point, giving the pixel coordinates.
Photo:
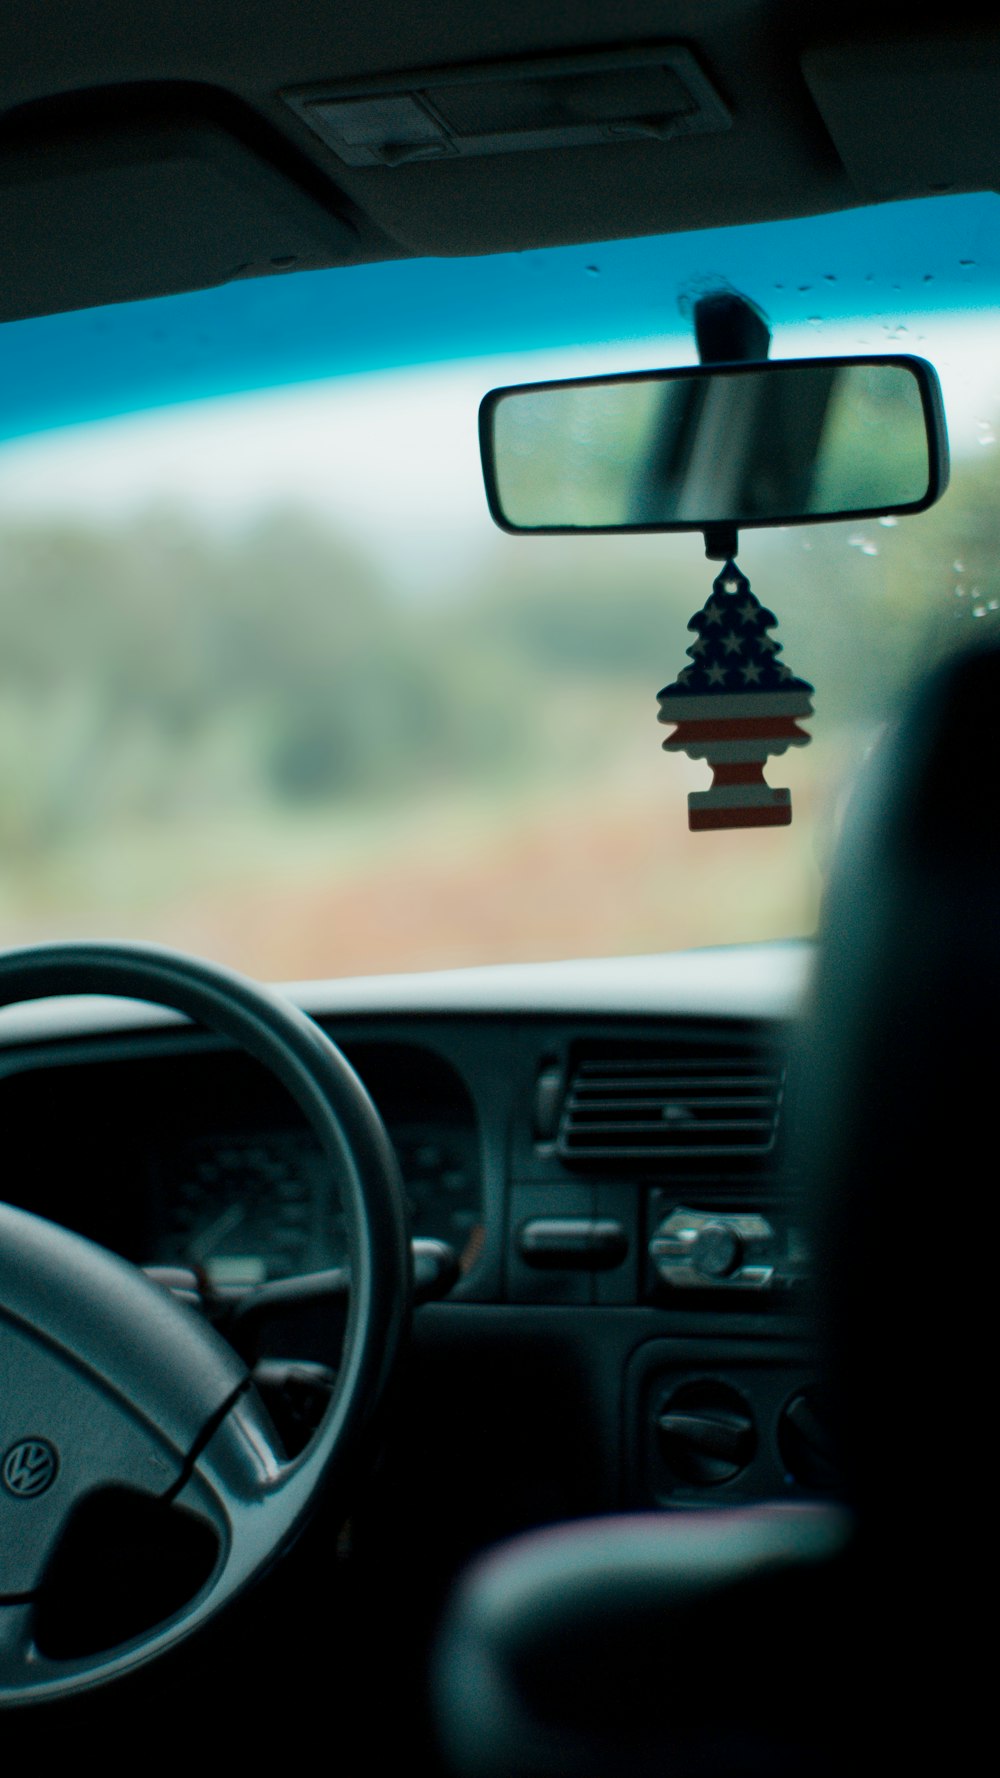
(399, 444)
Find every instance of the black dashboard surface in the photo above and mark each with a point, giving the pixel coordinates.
(603, 1145)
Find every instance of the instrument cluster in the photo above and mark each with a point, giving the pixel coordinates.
(192, 1155)
(245, 1208)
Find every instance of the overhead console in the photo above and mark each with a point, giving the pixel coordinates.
(648, 93)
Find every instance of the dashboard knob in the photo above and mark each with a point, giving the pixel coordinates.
(718, 1251)
(707, 1433)
(807, 1444)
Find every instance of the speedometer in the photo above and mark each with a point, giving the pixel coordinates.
(243, 1210)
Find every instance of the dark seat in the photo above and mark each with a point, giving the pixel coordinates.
(778, 1640)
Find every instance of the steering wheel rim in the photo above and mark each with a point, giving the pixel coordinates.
(230, 1472)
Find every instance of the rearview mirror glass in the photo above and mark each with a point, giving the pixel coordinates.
(773, 443)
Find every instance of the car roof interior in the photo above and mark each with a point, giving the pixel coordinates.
(153, 149)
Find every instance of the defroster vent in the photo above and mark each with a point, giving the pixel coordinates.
(687, 1101)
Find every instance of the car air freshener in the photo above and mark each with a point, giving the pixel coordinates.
(736, 704)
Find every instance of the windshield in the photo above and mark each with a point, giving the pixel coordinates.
(273, 688)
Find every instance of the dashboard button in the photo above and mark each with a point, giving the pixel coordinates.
(717, 1250)
(588, 1243)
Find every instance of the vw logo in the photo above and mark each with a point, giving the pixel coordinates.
(29, 1468)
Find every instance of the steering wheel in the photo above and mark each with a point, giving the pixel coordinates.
(111, 1388)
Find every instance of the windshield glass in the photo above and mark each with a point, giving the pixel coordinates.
(273, 688)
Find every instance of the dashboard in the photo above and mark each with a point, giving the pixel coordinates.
(605, 1146)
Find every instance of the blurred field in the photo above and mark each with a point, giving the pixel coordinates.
(608, 868)
(246, 743)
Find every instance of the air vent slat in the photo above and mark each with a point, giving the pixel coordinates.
(588, 1071)
(586, 1103)
(677, 1084)
(657, 1124)
(672, 1103)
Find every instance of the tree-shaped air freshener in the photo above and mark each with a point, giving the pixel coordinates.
(734, 706)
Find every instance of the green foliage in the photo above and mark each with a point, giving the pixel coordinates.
(158, 670)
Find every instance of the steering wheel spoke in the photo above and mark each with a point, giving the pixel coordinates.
(17, 1645)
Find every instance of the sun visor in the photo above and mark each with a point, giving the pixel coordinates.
(108, 211)
(911, 116)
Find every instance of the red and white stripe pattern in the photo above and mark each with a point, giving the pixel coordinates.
(735, 706)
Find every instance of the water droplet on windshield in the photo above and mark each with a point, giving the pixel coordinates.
(888, 521)
(829, 277)
(869, 548)
(987, 436)
(815, 320)
(593, 271)
(928, 278)
(959, 567)
(967, 262)
(803, 288)
(959, 592)
(979, 610)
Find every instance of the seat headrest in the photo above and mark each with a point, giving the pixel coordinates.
(902, 1112)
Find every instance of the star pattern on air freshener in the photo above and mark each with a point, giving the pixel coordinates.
(736, 704)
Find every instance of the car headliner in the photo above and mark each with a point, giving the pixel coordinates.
(155, 149)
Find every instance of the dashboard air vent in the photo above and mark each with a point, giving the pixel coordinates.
(688, 1101)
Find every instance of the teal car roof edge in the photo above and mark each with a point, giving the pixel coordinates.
(300, 327)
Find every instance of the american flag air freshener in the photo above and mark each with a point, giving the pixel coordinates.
(736, 704)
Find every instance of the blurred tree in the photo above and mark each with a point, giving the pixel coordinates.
(156, 669)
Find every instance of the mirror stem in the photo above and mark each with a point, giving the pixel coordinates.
(722, 542)
(728, 329)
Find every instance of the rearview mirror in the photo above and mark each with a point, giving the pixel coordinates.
(778, 442)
